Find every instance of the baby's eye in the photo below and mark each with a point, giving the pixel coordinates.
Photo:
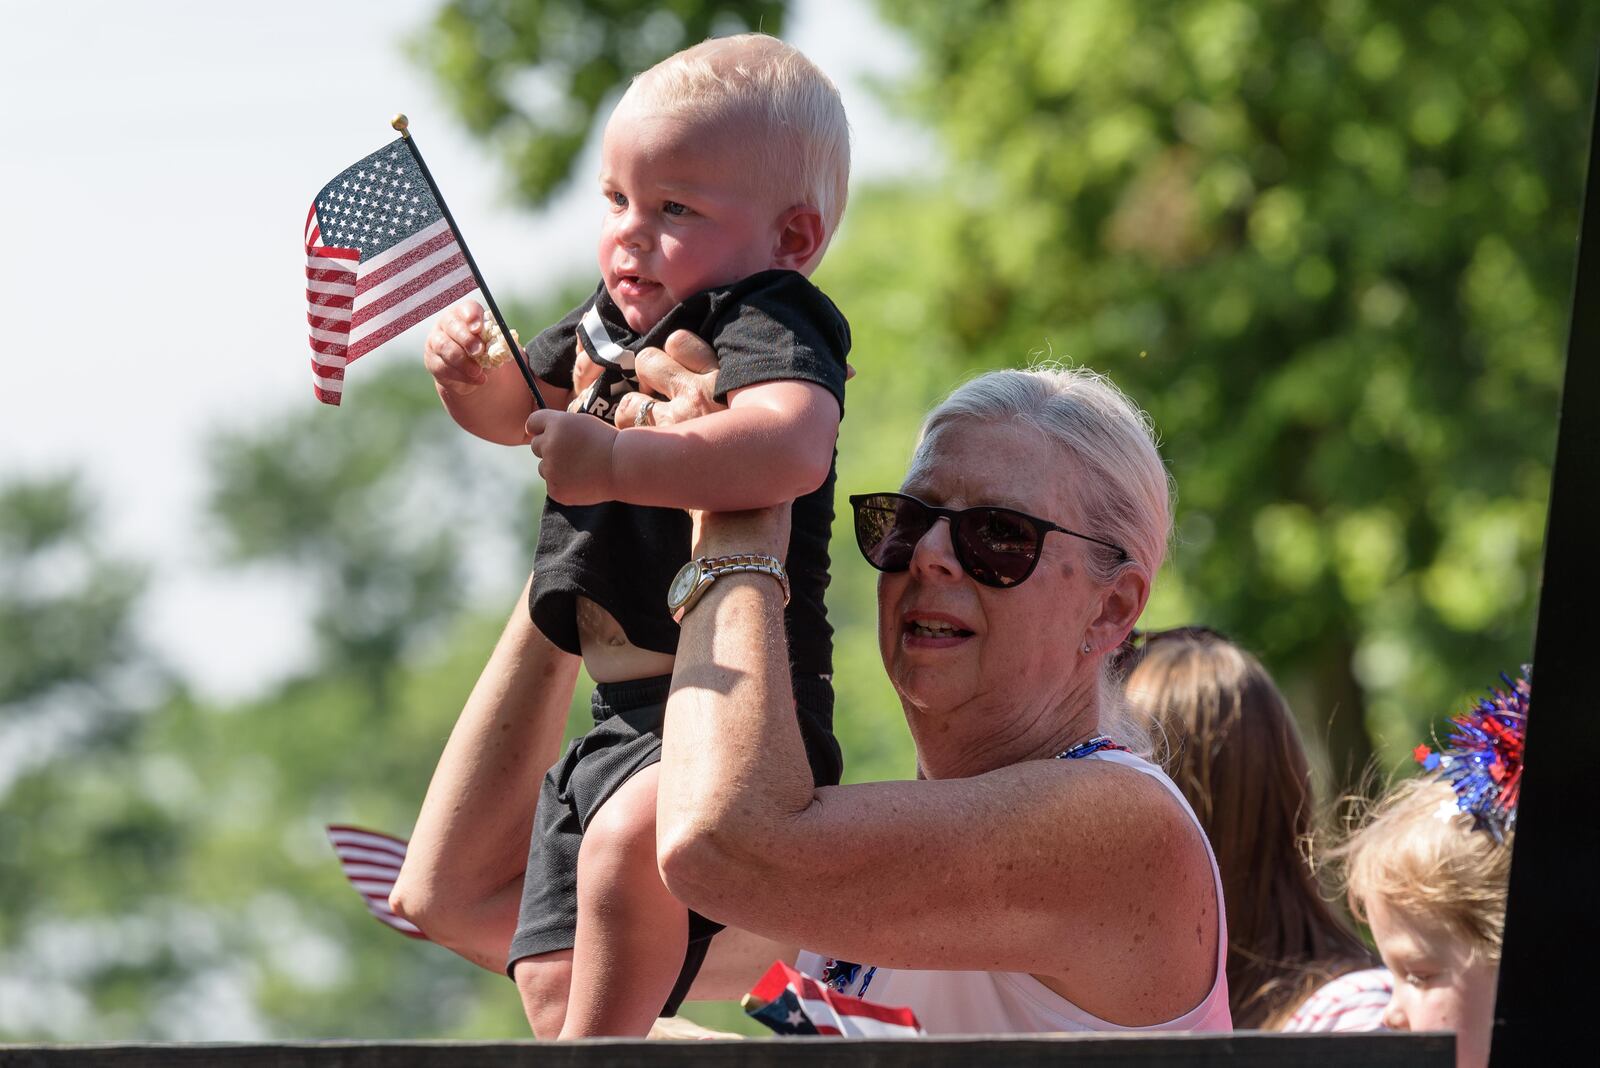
(1416, 979)
(672, 207)
(618, 199)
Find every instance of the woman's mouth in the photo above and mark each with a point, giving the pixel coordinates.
(934, 630)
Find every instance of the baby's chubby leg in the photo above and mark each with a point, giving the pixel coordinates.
(632, 933)
(543, 982)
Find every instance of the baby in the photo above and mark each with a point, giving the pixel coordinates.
(1428, 871)
(724, 172)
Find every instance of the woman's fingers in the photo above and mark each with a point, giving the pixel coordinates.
(690, 352)
(631, 404)
(685, 373)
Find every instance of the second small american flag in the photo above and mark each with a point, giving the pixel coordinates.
(380, 257)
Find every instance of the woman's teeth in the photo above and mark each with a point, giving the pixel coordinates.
(929, 629)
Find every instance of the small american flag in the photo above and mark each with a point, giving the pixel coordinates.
(793, 1003)
(380, 257)
(371, 861)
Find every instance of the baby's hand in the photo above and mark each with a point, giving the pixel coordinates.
(453, 349)
(574, 455)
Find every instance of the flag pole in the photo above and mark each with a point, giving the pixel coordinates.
(402, 124)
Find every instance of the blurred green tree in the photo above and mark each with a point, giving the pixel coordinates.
(74, 688)
(530, 76)
(1328, 246)
(377, 504)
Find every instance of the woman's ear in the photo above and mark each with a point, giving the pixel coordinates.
(1120, 606)
(800, 238)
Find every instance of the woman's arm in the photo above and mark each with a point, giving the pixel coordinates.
(1090, 876)
(462, 877)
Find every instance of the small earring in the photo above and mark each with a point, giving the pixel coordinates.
(1085, 647)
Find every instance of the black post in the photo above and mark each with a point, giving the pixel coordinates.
(400, 123)
(1552, 925)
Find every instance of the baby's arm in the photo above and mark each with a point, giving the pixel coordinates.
(493, 404)
(772, 444)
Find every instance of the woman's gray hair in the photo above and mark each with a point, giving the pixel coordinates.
(1126, 493)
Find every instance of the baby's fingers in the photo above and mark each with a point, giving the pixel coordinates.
(448, 361)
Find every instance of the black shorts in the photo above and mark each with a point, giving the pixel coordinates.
(625, 738)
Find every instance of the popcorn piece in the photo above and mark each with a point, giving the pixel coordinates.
(495, 350)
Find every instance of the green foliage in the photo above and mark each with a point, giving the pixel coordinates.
(73, 684)
(1328, 246)
(63, 604)
(378, 503)
(530, 76)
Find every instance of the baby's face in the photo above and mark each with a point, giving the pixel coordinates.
(684, 211)
(1439, 984)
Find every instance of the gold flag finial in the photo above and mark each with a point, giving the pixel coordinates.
(400, 122)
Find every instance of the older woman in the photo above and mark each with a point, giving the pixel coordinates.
(1037, 876)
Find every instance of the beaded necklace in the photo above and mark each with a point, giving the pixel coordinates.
(1091, 745)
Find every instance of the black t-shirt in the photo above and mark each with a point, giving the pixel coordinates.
(769, 327)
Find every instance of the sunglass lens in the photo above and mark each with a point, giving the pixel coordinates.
(888, 529)
(1000, 546)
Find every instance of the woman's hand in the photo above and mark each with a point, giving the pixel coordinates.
(684, 373)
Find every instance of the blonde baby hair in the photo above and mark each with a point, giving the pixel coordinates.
(1420, 855)
(758, 81)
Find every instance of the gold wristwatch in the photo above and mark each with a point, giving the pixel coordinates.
(695, 577)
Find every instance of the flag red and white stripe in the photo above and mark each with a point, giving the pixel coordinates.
(355, 305)
(791, 1002)
(371, 861)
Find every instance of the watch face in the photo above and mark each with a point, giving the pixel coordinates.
(683, 584)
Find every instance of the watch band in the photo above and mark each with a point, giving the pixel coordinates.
(758, 563)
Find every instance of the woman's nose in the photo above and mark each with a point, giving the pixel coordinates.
(934, 555)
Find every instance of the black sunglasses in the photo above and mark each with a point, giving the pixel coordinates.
(996, 546)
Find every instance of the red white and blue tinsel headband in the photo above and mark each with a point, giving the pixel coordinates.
(1482, 759)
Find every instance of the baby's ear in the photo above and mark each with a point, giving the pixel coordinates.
(800, 239)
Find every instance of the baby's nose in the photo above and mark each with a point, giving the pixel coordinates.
(1394, 1016)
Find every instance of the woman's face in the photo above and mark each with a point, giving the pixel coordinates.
(949, 642)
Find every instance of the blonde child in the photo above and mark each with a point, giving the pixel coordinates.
(724, 172)
(1427, 870)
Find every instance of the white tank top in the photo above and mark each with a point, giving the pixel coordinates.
(997, 1003)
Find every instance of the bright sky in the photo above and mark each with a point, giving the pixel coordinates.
(159, 160)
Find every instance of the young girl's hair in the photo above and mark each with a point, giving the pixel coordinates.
(757, 82)
(1234, 750)
(1418, 853)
